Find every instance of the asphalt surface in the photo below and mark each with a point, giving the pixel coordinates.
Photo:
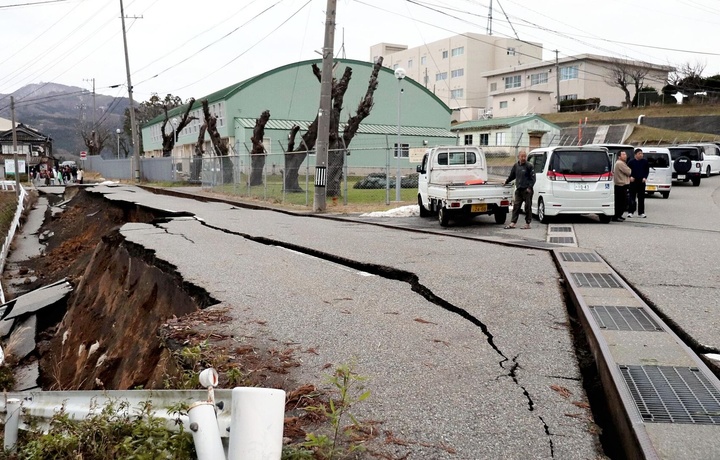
(465, 343)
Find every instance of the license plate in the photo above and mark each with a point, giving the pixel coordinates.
(681, 176)
(478, 207)
(651, 188)
(582, 187)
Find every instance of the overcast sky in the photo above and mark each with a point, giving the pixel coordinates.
(192, 48)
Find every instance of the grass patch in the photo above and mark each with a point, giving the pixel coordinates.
(646, 135)
(683, 110)
(8, 206)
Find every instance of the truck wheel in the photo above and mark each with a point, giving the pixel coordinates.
(696, 181)
(665, 195)
(443, 217)
(541, 212)
(423, 211)
(500, 216)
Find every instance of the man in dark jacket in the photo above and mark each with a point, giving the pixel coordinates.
(640, 170)
(524, 176)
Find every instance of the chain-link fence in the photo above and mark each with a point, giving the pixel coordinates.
(357, 176)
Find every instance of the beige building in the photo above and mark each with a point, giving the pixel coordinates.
(452, 68)
(532, 88)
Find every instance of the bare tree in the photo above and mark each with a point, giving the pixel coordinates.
(257, 154)
(624, 75)
(95, 139)
(168, 140)
(295, 156)
(220, 144)
(688, 79)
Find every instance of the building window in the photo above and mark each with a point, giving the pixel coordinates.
(503, 104)
(441, 76)
(468, 139)
(499, 138)
(423, 60)
(457, 93)
(513, 82)
(404, 150)
(538, 78)
(457, 73)
(458, 51)
(485, 139)
(445, 54)
(569, 73)
(410, 63)
(511, 51)
(493, 86)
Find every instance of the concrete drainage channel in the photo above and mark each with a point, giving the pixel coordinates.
(663, 399)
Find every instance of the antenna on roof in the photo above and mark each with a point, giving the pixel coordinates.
(341, 51)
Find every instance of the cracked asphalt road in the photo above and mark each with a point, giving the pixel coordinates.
(464, 343)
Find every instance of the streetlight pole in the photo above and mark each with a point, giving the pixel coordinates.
(399, 74)
(118, 131)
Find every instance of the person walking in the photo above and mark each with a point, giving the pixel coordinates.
(80, 175)
(524, 176)
(621, 180)
(640, 170)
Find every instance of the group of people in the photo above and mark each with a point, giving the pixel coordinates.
(629, 180)
(54, 176)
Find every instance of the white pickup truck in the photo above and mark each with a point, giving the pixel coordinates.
(453, 183)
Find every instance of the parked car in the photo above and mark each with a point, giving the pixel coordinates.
(615, 149)
(572, 180)
(660, 177)
(711, 157)
(686, 164)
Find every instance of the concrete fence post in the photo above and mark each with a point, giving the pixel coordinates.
(256, 424)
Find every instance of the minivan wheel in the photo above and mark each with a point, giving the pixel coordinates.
(541, 212)
(423, 211)
(604, 218)
(665, 195)
(707, 171)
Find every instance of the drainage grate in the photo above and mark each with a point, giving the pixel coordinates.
(579, 257)
(596, 280)
(562, 239)
(561, 229)
(623, 318)
(667, 394)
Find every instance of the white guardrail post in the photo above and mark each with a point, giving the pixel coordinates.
(256, 424)
(12, 423)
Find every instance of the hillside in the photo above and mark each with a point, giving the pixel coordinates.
(57, 110)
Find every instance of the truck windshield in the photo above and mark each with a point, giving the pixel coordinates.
(580, 162)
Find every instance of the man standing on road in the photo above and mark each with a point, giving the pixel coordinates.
(621, 179)
(640, 169)
(524, 176)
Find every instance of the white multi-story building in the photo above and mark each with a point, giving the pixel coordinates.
(533, 88)
(452, 68)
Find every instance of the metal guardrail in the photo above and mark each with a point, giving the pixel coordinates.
(9, 185)
(246, 422)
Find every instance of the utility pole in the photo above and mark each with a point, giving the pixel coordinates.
(133, 126)
(321, 157)
(14, 137)
(93, 130)
(557, 81)
(489, 24)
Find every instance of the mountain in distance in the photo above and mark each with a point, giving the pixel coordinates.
(58, 111)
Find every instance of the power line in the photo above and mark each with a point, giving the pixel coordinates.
(18, 5)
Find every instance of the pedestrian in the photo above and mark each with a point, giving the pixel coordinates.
(524, 176)
(640, 169)
(621, 179)
(80, 175)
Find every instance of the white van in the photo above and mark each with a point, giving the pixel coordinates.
(660, 177)
(711, 157)
(572, 180)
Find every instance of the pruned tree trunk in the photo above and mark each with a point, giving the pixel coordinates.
(295, 158)
(168, 140)
(196, 167)
(258, 153)
(220, 145)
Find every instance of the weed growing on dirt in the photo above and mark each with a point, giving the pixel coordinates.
(115, 431)
(7, 378)
(341, 441)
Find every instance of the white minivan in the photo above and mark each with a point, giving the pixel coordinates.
(660, 177)
(572, 180)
